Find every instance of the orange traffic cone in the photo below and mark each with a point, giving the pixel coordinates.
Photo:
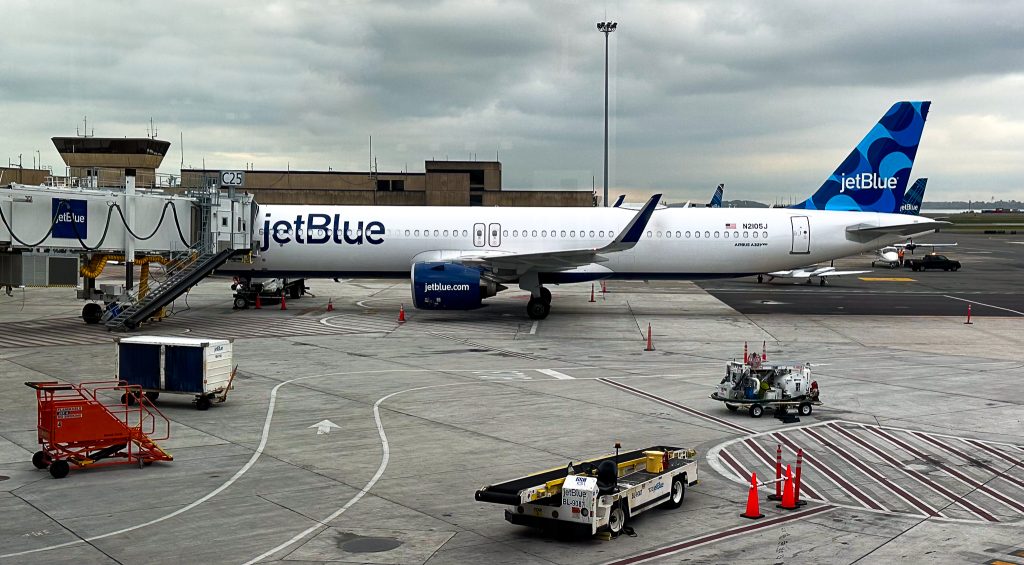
(401, 314)
(968, 315)
(650, 343)
(330, 305)
(592, 292)
(284, 306)
(259, 305)
(788, 496)
(753, 506)
(604, 287)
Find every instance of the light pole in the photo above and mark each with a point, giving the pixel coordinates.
(606, 28)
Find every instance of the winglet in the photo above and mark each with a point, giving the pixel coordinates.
(618, 202)
(632, 232)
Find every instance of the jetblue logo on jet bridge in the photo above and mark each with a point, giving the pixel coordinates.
(71, 218)
(316, 229)
(866, 181)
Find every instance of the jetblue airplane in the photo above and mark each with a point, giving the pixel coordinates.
(455, 257)
(914, 197)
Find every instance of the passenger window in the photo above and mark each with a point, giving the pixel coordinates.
(650, 234)
(746, 234)
(716, 235)
(515, 233)
(591, 233)
(687, 235)
(600, 233)
(437, 233)
(572, 233)
(659, 234)
(504, 233)
(707, 234)
(678, 235)
(668, 234)
(406, 233)
(534, 233)
(696, 234)
(563, 233)
(765, 234)
(445, 233)
(465, 233)
(755, 235)
(544, 233)
(417, 233)
(727, 235)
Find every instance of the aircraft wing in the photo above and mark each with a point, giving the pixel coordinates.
(925, 245)
(897, 229)
(842, 273)
(565, 259)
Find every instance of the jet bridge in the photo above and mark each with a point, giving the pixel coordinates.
(59, 234)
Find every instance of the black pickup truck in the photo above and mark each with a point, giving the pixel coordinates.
(933, 261)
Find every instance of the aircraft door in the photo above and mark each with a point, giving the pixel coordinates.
(494, 235)
(801, 235)
(479, 235)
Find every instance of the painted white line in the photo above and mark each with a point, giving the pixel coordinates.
(533, 328)
(555, 374)
(385, 458)
(983, 304)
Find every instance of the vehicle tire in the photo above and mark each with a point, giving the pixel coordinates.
(955, 269)
(295, 291)
(806, 409)
(203, 403)
(537, 310)
(545, 295)
(914, 268)
(756, 411)
(945, 269)
(92, 313)
(616, 519)
(40, 460)
(128, 399)
(678, 493)
(241, 303)
(152, 396)
(821, 282)
(732, 407)
(59, 469)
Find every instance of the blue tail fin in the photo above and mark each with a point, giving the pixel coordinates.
(873, 178)
(716, 200)
(913, 198)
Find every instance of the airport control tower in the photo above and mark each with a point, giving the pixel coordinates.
(101, 161)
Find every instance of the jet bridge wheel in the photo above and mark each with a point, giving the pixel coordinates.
(537, 309)
(92, 313)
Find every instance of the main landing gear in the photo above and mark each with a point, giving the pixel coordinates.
(539, 307)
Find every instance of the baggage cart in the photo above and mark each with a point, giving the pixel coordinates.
(176, 365)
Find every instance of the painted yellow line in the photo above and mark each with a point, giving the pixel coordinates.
(1000, 562)
(1018, 553)
(887, 279)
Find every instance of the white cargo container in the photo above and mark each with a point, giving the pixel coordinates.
(177, 365)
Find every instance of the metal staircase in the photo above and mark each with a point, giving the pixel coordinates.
(187, 273)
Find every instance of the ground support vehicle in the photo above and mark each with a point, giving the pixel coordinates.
(597, 494)
(933, 261)
(268, 290)
(77, 425)
(176, 365)
(757, 386)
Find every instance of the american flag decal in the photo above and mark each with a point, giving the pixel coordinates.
(730, 226)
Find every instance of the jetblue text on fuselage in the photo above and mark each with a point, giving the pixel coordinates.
(866, 181)
(321, 228)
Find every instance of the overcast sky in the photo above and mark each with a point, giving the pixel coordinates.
(767, 97)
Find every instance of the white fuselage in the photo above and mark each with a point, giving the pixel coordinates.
(678, 243)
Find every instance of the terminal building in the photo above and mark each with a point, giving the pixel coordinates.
(102, 162)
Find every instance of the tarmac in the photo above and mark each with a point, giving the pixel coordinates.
(915, 455)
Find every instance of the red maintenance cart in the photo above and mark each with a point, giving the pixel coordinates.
(79, 426)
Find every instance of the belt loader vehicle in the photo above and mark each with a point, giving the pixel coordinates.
(599, 494)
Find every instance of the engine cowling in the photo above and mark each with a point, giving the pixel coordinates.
(449, 286)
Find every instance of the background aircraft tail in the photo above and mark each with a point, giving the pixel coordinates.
(716, 200)
(913, 198)
(873, 178)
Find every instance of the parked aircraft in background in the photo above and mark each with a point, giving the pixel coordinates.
(455, 257)
(808, 273)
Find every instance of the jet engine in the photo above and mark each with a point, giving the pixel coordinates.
(449, 286)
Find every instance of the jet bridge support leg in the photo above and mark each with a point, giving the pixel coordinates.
(539, 305)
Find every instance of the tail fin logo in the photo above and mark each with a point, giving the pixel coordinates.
(873, 177)
(866, 181)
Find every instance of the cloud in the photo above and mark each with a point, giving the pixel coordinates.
(766, 97)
